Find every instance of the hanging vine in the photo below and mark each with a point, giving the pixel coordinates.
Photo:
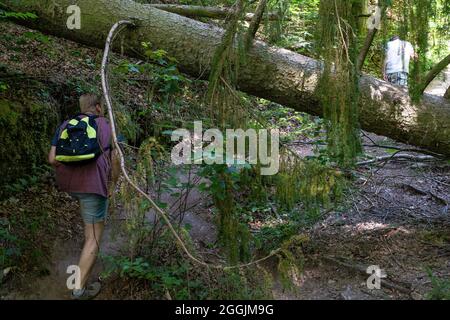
(338, 86)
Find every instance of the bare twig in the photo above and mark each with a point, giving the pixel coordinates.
(396, 157)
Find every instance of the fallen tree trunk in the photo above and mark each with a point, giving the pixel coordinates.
(275, 74)
(206, 12)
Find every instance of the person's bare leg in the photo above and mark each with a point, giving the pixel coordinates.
(92, 236)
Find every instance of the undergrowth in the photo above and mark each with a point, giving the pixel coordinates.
(440, 287)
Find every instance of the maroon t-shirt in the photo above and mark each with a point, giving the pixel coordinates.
(92, 177)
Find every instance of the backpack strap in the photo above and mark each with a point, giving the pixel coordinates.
(92, 116)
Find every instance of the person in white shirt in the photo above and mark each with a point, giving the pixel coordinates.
(396, 64)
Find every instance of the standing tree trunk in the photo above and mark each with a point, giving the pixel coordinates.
(368, 42)
(254, 24)
(272, 73)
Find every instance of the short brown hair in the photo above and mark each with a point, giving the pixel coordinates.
(89, 101)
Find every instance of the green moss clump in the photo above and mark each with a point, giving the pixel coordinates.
(26, 128)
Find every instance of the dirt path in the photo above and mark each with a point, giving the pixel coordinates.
(66, 252)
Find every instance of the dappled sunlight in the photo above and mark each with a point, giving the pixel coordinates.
(369, 226)
(376, 93)
(395, 101)
(365, 226)
(372, 226)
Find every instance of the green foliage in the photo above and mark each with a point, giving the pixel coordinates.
(9, 250)
(233, 235)
(221, 95)
(185, 281)
(274, 31)
(19, 235)
(23, 183)
(164, 86)
(16, 15)
(80, 86)
(309, 182)
(271, 237)
(167, 78)
(3, 86)
(172, 278)
(293, 124)
(291, 261)
(296, 29)
(37, 36)
(441, 287)
(161, 268)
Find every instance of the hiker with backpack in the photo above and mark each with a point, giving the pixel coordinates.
(87, 168)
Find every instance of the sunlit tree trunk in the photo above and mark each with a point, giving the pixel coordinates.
(275, 74)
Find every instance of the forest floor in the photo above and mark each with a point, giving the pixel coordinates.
(397, 219)
(396, 214)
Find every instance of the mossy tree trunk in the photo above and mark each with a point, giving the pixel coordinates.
(272, 73)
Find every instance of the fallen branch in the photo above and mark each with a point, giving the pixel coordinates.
(434, 72)
(425, 193)
(430, 153)
(415, 150)
(375, 145)
(396, 157)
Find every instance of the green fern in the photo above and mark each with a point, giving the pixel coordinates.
(17, 15)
